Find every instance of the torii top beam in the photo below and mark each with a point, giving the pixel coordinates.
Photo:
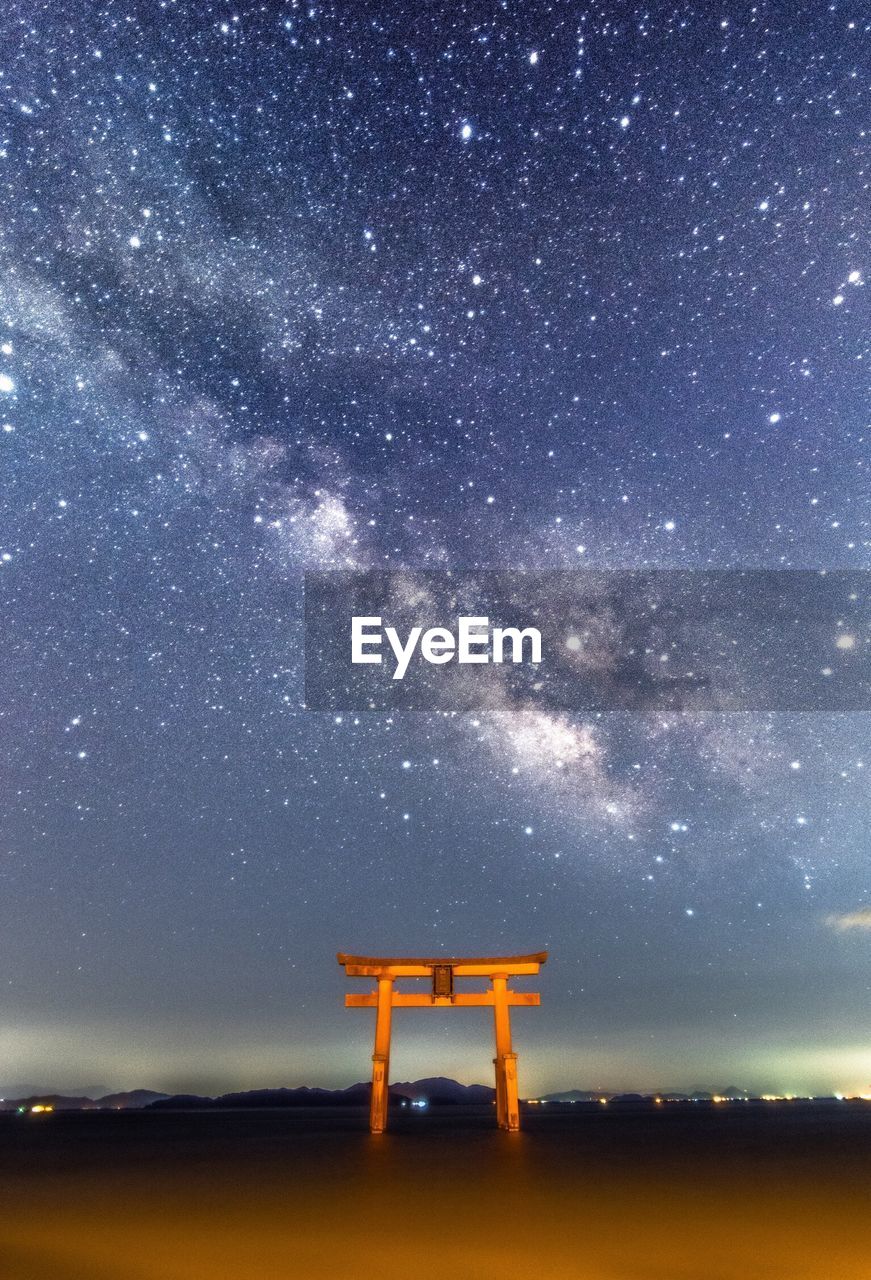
(423, 967)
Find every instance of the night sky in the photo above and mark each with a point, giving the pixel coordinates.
(290, 287)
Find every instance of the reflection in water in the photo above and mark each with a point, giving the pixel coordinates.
(737, 1193)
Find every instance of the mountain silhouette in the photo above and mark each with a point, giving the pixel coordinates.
(435, 1091)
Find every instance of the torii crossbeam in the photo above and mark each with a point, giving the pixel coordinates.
(442, 972)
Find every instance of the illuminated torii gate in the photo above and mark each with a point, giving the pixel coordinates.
(442, 973)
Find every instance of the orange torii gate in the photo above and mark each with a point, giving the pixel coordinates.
(442, 972)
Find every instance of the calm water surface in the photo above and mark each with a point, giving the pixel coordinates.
(735, 1192)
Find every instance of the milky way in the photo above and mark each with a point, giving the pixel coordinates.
(289, 287)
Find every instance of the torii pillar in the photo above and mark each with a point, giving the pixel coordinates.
(505, 1062)
(386, 969)
(381, 1056)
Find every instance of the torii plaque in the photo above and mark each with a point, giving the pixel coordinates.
(442, 972)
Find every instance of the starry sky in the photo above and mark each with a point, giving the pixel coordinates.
(290, 287)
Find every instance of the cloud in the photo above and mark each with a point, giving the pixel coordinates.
(848, 920)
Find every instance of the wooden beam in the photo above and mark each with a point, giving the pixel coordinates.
(422, 967)
(423, 1000)
(461, 969)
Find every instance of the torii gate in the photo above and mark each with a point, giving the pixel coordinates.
(442, 973)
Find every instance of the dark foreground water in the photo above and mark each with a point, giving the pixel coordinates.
(731, 1192)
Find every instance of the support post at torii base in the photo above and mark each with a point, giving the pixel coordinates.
(381, 1057)
(385, 998)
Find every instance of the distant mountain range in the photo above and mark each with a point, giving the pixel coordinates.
(431, 1091)
(435, 1091)
(135, 1099)
(30, 1090)
(439, 1089)
(671, 1095)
